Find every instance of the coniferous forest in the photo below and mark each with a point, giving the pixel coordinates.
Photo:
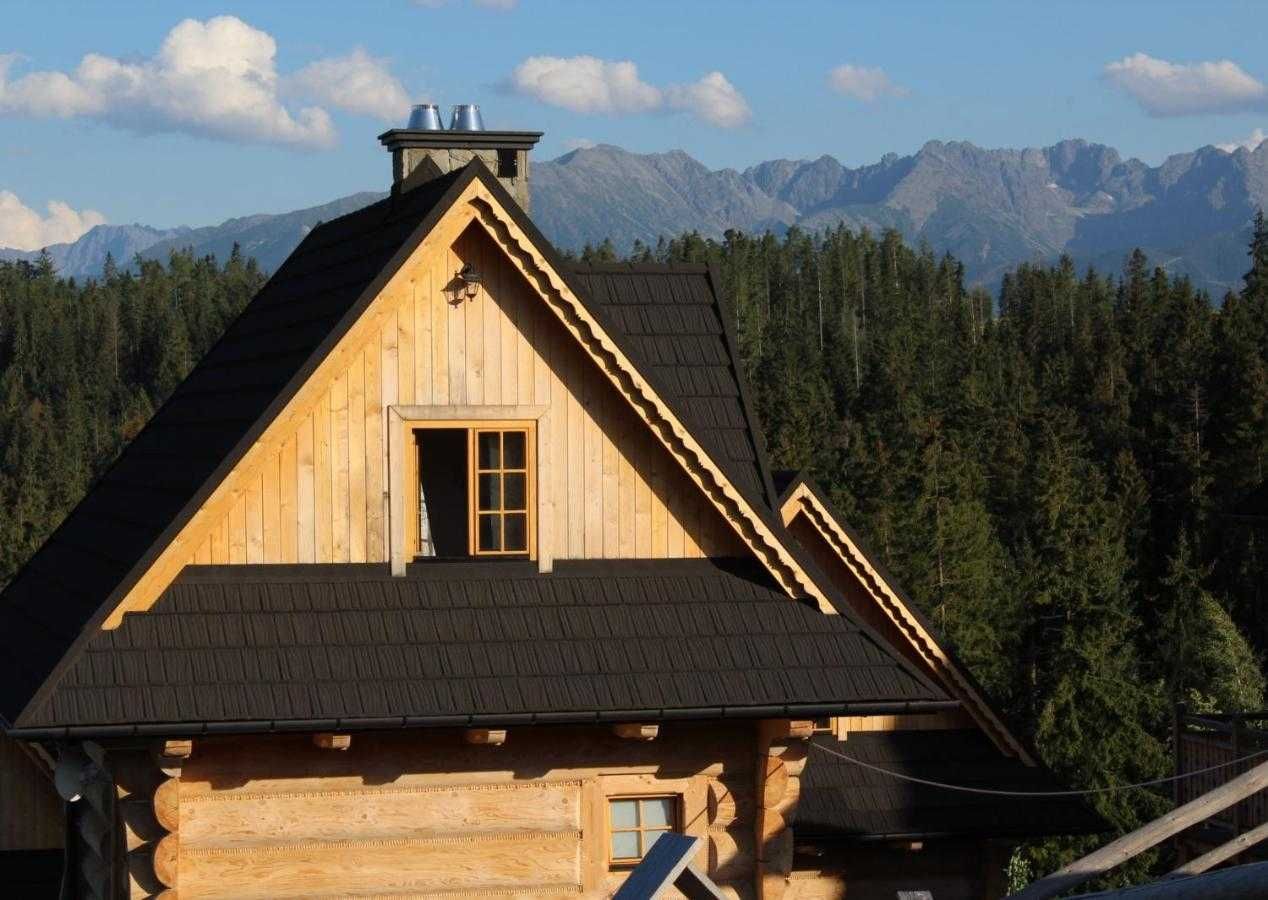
(1057, 474)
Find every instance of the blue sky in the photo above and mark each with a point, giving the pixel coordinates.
(189, 113)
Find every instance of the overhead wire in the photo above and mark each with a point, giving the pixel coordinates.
(1035, 794)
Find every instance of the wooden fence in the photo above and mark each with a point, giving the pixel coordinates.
(1211, 739)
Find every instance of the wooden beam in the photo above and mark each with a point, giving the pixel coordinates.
(175, 749)
(1222, 853)
(493, 737)
(1150, 835)
(1237, 883)
(328, 741)
(634, 731)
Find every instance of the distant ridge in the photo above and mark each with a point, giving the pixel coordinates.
(992, 209)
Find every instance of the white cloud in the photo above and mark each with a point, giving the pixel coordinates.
(863, 83)
(713, 99)
(22, 228)
(1257, 137)
(579, 143)
(587, 84)
(357, 83)
(215, 79)
(1164, 88)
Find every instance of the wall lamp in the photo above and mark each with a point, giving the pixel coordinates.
(469, 281)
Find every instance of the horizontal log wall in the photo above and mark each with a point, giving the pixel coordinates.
(426, 813)
(615, 492)
(31, 813)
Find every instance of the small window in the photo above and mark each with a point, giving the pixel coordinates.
(474, 491)
(501, 490)
(823, 725)
(634, 824)
(508, 164)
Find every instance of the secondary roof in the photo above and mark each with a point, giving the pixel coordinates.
(474, 643)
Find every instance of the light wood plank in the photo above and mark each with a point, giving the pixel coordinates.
(490, 300)
(593, 482)
(339, 468)
(357, 513)
(323, 466)
(375, 461)
(642, 503)
(423, 341)
(306, 492)
(238, 531)
(405, 345)
(458, 375)
(474, 333)
(255, 522)
(288, 518)
(272, 508)
(611, 487)
(440, 336)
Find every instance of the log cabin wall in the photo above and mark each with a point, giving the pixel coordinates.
(31, 814)
(425, 813)
(611, 491)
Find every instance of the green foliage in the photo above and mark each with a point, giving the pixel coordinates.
(1049, 475)
(83, 366)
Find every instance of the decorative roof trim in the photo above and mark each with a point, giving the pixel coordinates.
(801, 498)
(590, 332)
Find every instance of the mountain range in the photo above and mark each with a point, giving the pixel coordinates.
(992, 209)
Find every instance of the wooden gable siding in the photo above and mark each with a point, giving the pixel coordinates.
(423, 814)
(31, 816)
(614, 491)
(877, 604)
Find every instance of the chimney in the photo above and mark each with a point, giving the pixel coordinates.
(425, 149)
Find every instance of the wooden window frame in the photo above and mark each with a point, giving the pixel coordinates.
(675, 826)
(473, 483)
(472, 427)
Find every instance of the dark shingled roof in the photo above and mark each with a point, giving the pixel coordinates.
(474, 642)
(843, 801)
(201, 431)
(672, 321)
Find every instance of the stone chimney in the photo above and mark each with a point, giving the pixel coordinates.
(420, 154)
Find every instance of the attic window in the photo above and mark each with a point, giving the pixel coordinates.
(508, 164)
(475, 490)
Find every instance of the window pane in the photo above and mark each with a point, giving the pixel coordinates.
(488, 455)
(623, 814)
(490, 490)
(513, 450)
(516, 487)
(490, 536)
(650, 837)
(658, 812)
(516, 531)
(625, 845)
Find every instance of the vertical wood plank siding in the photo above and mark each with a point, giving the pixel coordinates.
(616, 493)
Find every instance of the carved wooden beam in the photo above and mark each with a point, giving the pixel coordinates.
(634, 731)
(493, 737)
(328, 741)
(781, 755)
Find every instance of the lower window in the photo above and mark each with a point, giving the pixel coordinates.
(634, 824)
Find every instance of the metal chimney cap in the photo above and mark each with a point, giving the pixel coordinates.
(425, 117)
(466, 117)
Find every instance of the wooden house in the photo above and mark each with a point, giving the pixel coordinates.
(456, 568)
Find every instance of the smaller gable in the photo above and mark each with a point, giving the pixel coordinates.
(875, 596)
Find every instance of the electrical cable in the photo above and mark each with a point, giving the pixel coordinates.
(1035, 794)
